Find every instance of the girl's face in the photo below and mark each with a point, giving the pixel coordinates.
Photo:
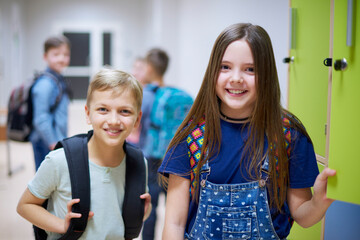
(58, 58)
(235, 85)
(112, 116)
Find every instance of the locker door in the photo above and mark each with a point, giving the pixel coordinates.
(344, 141)
(308, 85)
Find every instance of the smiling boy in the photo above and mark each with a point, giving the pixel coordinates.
(113, 108)
(50, 99)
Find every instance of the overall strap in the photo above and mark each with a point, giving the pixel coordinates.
(135, 185)
(76, 152)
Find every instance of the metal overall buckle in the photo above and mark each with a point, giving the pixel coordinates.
(262, 182)
(203, 181)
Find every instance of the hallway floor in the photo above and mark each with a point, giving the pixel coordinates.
(12, 226)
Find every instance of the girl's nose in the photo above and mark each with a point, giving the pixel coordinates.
(236, 77)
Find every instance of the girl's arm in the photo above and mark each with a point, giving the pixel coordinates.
(30, 208)
(308, 209)
(177, 205)
(147, 206)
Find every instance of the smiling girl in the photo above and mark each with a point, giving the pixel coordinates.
(240, 166)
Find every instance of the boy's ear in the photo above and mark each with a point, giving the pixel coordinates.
(87, 113)
(137, 123)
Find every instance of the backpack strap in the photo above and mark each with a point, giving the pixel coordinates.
(195, 141)
(56, 80)
(76, 152)
(135, 185)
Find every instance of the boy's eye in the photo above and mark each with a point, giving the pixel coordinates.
(125, 111)
(102, 109)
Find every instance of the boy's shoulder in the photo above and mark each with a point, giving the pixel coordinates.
(45, 82)
(56, 159)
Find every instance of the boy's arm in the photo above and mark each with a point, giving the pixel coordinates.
(177, 205)
(30, 208)
(308, 209)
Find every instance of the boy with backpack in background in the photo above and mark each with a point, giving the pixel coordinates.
(164, 108)
(50, 99)
(113, 108)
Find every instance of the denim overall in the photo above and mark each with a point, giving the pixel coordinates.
(233, 211)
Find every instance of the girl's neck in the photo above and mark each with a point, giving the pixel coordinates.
(105, 156)
(234, 120)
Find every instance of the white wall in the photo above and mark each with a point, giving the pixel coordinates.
(202, 21)
(186, 29)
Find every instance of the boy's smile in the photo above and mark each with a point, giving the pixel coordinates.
(58, 58)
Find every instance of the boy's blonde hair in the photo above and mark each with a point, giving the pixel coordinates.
(118, 81)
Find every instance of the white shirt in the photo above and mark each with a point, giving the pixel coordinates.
(52, 181)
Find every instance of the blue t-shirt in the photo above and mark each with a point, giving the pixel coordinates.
(225, 167)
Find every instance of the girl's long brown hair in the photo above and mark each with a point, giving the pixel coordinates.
(266, 121)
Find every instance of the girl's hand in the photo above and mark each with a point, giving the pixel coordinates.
(307, 208)
(148, 206)
(71, 214)
(320, 187)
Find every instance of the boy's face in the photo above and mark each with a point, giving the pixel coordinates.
(113, 116)
(58, 58)
(150, 73)
(139, 71)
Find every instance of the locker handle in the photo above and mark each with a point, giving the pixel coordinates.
(288, 59)
(340, 64)
(292, 32)
(349, 26)
(328, 62)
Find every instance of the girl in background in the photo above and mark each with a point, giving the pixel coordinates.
(240, 166)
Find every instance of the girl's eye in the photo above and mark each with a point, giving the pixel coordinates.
(250, 69)
(224, 67)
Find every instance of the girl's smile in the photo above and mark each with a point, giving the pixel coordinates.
(235, 91)
(235, 85)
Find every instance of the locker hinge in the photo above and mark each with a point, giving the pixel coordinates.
(325, 129)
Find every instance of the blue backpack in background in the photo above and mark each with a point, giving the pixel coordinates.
(170, 107)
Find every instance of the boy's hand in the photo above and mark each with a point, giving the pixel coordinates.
(71, 214)
(148, 206)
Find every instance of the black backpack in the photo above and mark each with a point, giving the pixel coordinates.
(76, 152)
(20, 109)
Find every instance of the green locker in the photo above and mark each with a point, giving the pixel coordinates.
(308, 85)
(345, 103)
(327, 100)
